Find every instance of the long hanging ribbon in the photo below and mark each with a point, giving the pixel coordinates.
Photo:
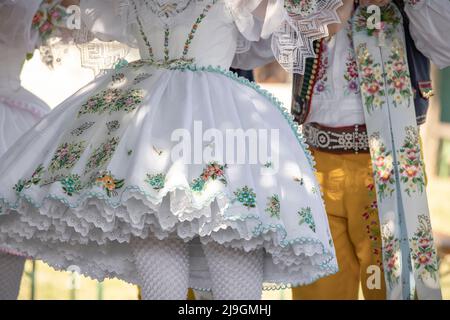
(409, 256)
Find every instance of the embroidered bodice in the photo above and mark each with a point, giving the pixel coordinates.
(189, 32)
(213, 32)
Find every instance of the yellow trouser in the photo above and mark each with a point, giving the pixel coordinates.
(350, 200)
(191, 295)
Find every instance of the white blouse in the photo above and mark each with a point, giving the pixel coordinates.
(336, 100)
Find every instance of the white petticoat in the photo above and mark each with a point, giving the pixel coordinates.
(97, 171)
(19, 111)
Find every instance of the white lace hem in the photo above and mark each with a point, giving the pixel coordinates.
(95, 228)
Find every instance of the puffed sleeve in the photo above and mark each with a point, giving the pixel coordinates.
(291, 25)
(430, 29)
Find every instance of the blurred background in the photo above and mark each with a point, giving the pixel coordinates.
(53, 85)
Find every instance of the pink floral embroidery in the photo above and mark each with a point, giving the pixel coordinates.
(48, 17)
(66, 156)
(411, 164)
(397, 74)
(414, 2)
(213, 171)
(371, 79)
(303, 7)
(351, 74)
(383, 166)
(423, 252)
(391, 256)
(371, 218)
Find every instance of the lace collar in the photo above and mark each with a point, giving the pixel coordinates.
(167, 12)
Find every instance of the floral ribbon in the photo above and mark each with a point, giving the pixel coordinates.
(409, 256)
(49, 16)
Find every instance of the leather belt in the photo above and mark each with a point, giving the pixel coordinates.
(351, 139)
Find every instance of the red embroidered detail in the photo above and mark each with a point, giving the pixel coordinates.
(370, 215)
(426, 89)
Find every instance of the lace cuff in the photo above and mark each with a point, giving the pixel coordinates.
(294, 26)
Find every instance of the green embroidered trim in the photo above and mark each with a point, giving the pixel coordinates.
(66, 156)
(307, 218)
(166, 44)
(72, 184)
(156, 181)
(35, 179)
(198, 21)
(327, 266)
(102, 154)
(246, 196)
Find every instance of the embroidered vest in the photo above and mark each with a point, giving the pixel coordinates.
(419, 66)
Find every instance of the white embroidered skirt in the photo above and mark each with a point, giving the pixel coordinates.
(100, 170)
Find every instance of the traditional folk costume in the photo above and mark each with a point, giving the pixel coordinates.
(19, 110)
(361, 102)
(95, 185)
